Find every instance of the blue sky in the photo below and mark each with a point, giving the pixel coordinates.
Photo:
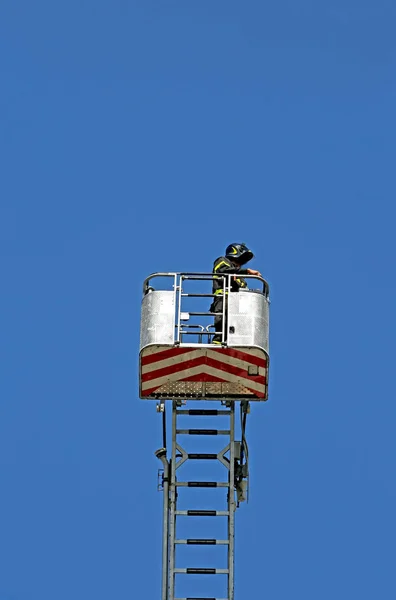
(145, 136)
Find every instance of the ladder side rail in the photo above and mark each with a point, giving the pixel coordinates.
(161, 454)
(231, 506)
(172, 512)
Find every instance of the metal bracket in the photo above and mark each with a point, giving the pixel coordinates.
(242, 491)
(160, 480)
(223, 459)
(183, 455)
(245, 407)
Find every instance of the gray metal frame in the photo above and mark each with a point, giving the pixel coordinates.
(164, 323)
(171, 485)
(162, 310)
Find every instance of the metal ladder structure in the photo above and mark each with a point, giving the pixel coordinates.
(205, 384)
(233, 455)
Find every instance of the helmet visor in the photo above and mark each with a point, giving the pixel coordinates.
(245, 257)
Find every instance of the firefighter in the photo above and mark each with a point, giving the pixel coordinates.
(236, 255)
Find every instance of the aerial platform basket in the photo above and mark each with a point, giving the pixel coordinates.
(177, 357)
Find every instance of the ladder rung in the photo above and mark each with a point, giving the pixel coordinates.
(198, 295)
(203, 431)
(200, 571)
(201, 314)
(211, 484)
(202, 412)
(202, 542)
(202, 456)
(202, 513)
(184, 332)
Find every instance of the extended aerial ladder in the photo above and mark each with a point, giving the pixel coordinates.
(179, 364)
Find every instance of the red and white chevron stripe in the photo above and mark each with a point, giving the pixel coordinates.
(240, 372)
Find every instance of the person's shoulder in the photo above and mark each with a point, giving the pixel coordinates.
(221, 264)
(221, 259)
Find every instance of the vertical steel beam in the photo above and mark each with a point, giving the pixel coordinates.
(172, 506)
(161, 454)
(231, 505)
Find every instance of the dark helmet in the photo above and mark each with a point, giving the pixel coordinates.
(239, 252)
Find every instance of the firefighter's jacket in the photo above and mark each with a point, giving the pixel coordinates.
(224, 265)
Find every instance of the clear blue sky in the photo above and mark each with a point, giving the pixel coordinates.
(145, 136)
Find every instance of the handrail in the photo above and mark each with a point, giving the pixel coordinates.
(203, 277)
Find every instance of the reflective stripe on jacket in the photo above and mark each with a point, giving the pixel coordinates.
(224, 265)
